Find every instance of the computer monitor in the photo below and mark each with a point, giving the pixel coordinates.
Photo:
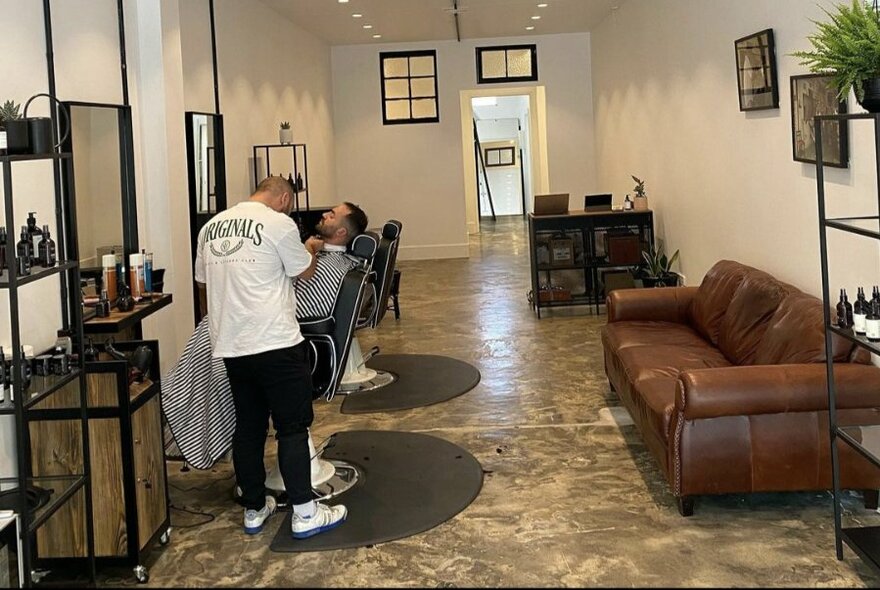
(600, 202)
(551, 204)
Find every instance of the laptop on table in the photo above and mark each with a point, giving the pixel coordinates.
(551, 204)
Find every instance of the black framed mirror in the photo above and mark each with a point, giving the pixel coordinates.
(101, 142)
(206, 172)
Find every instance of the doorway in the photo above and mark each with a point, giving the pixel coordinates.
(504, 151)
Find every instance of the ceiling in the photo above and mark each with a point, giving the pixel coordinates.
(432, 20)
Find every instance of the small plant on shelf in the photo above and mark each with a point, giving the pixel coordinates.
(285, 124)
(658, 270)
(639, 189)
(285, 133)
(9, 111)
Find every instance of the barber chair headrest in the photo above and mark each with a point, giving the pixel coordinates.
(364, 246)
(391, 230)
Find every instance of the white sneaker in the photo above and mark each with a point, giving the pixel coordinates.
(324, 519)
(254, 519)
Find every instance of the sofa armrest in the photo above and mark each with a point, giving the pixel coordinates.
(774, 389)
(668, 304)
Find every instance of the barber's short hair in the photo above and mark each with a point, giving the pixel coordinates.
(356, 220)
(275, 185)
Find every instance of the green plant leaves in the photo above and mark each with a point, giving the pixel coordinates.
(847, 47)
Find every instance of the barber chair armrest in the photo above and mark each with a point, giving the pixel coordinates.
(314, 326)
(774, 389)
(666, 304)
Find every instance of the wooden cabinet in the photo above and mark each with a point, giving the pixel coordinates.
(129, 489)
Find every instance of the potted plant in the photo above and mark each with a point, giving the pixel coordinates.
(640, 203)
(285, 134)
(848, 48)
(658, 270)
(9, 111)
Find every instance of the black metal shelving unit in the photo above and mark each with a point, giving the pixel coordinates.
(864, 541)
(299, 162)
(585, 228)
(34, 403)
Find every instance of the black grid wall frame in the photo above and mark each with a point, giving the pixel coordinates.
(409, 87)
(507, 63)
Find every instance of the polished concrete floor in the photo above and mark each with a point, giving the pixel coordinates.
(571, 497)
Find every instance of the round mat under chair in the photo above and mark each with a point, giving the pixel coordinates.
(422, 380)
(409, 483)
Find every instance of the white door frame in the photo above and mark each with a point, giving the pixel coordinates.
(537, 142)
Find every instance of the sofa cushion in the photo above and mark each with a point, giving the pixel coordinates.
(656, 403)
(796, 334)
(713, 296)
(748, 316)
(620, 335)
(665, 360)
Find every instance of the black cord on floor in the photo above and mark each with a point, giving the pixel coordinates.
(210, 517)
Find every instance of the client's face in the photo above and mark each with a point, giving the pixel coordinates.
(331, 220)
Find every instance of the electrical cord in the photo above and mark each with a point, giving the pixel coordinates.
(210, 517)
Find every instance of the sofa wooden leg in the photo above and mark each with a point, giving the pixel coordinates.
(685, 505)
(872, 499)
(611, 385)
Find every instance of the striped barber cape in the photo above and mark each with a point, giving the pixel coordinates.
(197, 402)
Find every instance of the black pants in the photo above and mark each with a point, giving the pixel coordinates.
(276, 383)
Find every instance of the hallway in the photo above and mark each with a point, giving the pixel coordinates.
(570, 497)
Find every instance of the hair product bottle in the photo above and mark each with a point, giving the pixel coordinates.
(136, 278)
(108, 277)
(24, 255)
(860, 313)
(46, 252)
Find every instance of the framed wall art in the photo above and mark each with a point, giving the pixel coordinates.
(811, 95)
(756, 72)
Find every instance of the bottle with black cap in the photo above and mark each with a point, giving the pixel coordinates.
(842, 317)
(860, 313)
(849, 309)
(24, 254)
(35, 235)
(873, 321)
(2, 249)
(47, 249)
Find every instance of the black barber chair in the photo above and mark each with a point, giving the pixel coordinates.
(357, 376)
(330, 339)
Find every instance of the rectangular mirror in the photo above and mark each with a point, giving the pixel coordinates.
(206, 169)
(103, 156)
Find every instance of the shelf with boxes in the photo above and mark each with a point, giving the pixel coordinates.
(578, 257)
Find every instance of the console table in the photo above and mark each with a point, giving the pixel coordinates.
(589, 242)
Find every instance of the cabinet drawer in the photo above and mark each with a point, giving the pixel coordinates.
(149, 469)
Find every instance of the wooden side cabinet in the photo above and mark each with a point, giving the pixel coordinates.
(129, 478)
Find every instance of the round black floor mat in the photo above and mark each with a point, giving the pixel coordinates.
(409, 483)
(422, 380)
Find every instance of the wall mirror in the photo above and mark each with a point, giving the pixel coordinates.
(206, 170)
(106, 215)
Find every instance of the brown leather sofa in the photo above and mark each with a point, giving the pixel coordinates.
(726, 384)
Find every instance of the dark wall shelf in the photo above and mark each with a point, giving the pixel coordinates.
(865, 541)
(118, 321)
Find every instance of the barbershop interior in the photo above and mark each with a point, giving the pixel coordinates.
(550, 339)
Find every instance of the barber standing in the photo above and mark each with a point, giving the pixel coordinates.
(246, 257)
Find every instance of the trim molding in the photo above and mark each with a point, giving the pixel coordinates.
(433, 252)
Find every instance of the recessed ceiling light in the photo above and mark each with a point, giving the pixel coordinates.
(343, 1)
(356, 15)
(485, 101)
(377, 36)
(530, 28)
(541, 5)
(368, 26)
(536, 17)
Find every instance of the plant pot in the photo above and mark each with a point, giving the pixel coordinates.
(2, 141)
(871, 101)
(285, 136)
(667, 280)
(17, 137)
(640, 203)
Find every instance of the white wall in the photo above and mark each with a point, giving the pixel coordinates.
(722, 182)
(414, 173)
(270, 70)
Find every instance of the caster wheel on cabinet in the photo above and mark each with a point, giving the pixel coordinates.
(166, 537)
(141, 574)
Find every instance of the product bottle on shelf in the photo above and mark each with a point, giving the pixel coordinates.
(109, 276)
(875, 296)
(627, 204)
(300, 185)
(35, 236)
(291, 180)
(860, 313)
(46, 254)
(873, 322)
(2, 249)
(24, 255)
(148, 274)
(842, 317)
(136, 280)
(849, 309)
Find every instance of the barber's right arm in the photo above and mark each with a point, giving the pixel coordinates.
(295, 256)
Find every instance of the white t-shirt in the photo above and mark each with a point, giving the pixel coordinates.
(246, 256)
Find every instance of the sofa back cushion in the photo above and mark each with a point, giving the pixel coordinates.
(796, 334)
(713, 297)
(748, 316)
